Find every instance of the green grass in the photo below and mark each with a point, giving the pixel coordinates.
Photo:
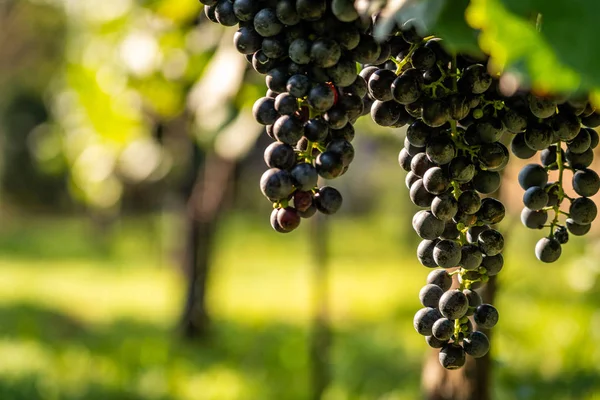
(86, 320)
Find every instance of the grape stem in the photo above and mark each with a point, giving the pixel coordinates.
(561, 192)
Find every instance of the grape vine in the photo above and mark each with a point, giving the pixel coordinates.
(324, 70)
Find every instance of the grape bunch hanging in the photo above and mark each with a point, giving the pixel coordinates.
(324, 70)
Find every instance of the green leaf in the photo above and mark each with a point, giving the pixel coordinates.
(452, 27)
(440, 17)
(571, 30)
(514, 43)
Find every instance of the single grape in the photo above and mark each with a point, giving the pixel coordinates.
(425, 253)
(321, 97)
(581, 142)
(514, 121)
(443, 329)
(519, 148)
(534, 219)
(406, 88)
(264, 111)
(276, 184)
(486, 181)
(486, 316)
(452, 356)
(535, 198)
(583, 210)
(474, 300)
(266, 23)
(441, 278)
(491, 242)
(444, 207)
(288, 219)
(493, 264)
(325, 53)
(586, 182)
(274, 223)
(476, 344)
(304, 176)
(285, 11)
(418, 133)
(539, 136)
(436, 181)
(380, 84)
(541, 107)
(453, 304)
(298, 85)
(532, 175)
(447, 253)
(328, 200)
(329, 165)
(288, 129)
(404, 160)
(430, 295)
(461, 169)
(299, 51)
(471, 257)
(579, 161)
(286, 104)
(427, 226)
(367, 50)
(435, 112)
(441, 151)
(420, 164)
(385, 113)
(419, 195)
(475, 79)
(491, 212)
(424, 320)
(469, 202)
(280, 155)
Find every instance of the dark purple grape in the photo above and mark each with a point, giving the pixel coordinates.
(534, 219)
(453, 304)
(532, 175)
(406, 89)
(328, 200)
(430, 295)
(280, 155)
(380, 84)
(288, 129)
(476, 344)
(264, 111)
(424, 320)
(427, 225)
(452, 356)
(440, 278)
(486, 316)
(329, 165)
(276, 184)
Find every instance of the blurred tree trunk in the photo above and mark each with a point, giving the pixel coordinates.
(320, 342)
(204, 209)
(473, 382)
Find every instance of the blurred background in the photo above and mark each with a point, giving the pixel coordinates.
(136, 256)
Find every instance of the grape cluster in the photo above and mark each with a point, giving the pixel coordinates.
(453, 155)
(308, 50)
(553, 127)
